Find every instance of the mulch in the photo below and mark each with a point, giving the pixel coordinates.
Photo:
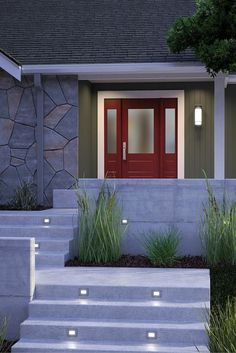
(143, 261)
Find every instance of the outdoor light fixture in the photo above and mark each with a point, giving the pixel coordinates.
(156, 294)
(83, 292)
(72, 332)
(151, 335)
(36, 246)
(46, 221)
(124, 221)
(198, 116)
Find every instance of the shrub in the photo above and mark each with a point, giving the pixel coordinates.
(218, 230)
(221, 328)
(3, 332)
(100, 229)
(161, 247)
(24, 197)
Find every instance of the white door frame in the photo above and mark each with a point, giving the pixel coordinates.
(179, 94)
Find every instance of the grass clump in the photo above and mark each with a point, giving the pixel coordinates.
(161, 247)
(218, 231)
(4, 345)
(100, 230)
(221, 328)
(24, 197)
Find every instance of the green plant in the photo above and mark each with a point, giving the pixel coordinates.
(24, 197)
(3, 332)
(161, 247)
(221, 328)
(218, 230)
(100, 230)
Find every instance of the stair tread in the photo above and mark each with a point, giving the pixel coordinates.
(148, 303)
(114, 323)
(97, 346)
(36, 226)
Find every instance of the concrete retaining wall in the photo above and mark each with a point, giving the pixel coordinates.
(156, 204)
(17, 281)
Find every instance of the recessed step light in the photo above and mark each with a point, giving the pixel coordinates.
(124, 221)
(156, 293)
(151, 335)
(46, 220)
(72, 332)
(83, 292)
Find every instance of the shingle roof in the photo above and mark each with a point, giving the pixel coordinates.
(90, 31)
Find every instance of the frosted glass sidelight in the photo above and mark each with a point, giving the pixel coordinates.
(141, 130)
(170, 130)
(111, 130)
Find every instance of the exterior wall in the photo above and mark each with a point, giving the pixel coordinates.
(199, 144)
(154, 204)
(230, 131)
(18, 119)
(17, 273)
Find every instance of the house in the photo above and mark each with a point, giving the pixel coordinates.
(90, 89)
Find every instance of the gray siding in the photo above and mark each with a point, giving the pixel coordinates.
(198, 141)
(230, 131)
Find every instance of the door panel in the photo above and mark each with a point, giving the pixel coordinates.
(141, 138)
(112, 131)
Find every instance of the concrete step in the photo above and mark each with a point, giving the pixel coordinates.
(37, 231)
(50, 259)
(54, 346)
(53, 245)
(116, 331)
(46, 217)
(118, 293)
(107, 310)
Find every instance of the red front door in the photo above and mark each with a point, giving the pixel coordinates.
(141, 138)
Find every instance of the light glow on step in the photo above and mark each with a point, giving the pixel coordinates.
(83, 292)
(124, 221)
(46, 220)
(151, 335)
(72, 332)
(156, 293)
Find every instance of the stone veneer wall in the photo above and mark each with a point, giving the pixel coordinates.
(18, 159)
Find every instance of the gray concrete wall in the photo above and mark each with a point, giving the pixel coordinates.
(156, 204)
(18, 119)
(17, 281)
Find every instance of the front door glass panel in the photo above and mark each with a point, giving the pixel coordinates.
(111, 130)
(140, 131)
(169, 130)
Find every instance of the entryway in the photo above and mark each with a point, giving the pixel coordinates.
(140, 138)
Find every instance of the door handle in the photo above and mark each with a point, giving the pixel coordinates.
(124, 151)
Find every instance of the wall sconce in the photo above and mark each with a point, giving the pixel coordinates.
(198, 116)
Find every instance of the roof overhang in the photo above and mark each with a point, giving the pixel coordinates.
(126, 72)
(10, 65)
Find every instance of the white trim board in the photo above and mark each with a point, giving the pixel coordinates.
(10, 66)
(179, 94)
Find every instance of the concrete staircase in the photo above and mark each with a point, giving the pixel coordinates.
(52, 239)
(114, 310)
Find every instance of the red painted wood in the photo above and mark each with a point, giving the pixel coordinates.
(113, 160)
(140, 165)
(149, 165)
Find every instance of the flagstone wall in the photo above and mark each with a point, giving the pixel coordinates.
(18, 153)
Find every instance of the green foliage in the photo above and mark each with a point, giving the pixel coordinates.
(100, 229)
(221, 328)
(161, 247)
(223, 285)
(218, 231)
(23, 198)
(211, 33)
(3, 332)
